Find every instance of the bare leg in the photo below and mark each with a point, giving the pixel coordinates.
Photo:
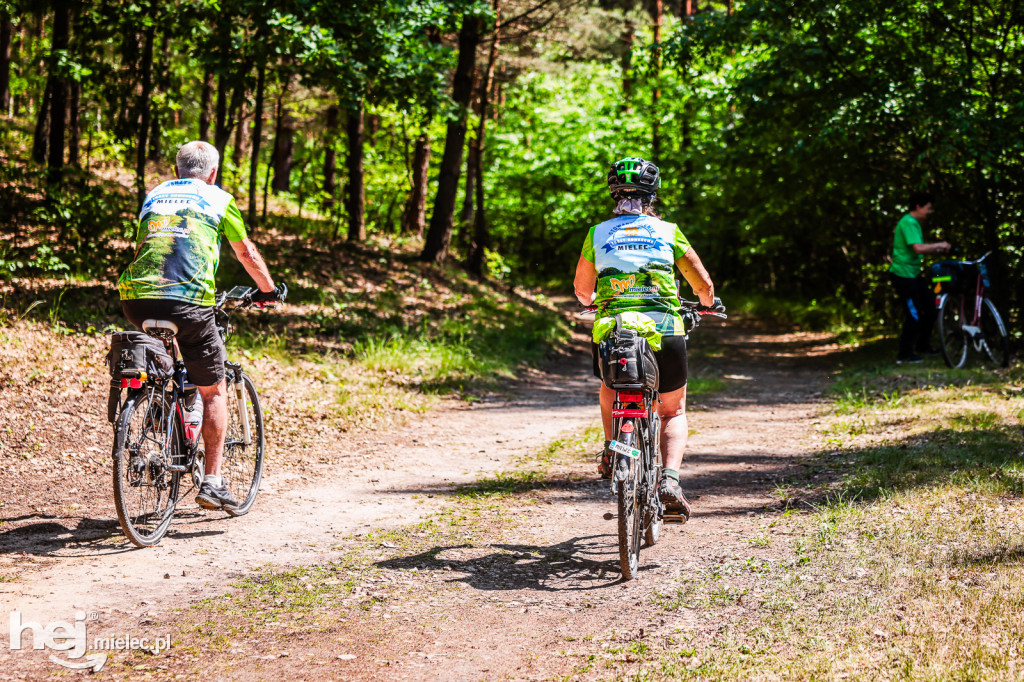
(607, 400)
(673, 428)
(215, 423)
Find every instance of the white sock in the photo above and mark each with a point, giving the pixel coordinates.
(215, 481)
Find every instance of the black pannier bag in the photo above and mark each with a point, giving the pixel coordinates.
(134, 355)
(626, 360)
(948, 276)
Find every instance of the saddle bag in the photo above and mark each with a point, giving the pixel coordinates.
(627, 361)
(134, 355)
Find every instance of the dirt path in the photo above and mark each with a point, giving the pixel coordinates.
(488, 608)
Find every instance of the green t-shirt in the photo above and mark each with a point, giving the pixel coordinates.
(905, 262)
(635, 257)
(178, 242)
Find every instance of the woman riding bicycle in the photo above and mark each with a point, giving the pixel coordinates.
(626, 266)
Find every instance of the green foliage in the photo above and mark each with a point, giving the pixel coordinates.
(836, 112)
(789, 134)
(546, 182)
(34, 261)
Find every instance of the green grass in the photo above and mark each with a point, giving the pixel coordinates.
(834, 315)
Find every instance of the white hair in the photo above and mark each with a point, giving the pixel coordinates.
(197, 159)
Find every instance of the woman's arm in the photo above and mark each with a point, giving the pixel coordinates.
(698, 278)
(586, 281)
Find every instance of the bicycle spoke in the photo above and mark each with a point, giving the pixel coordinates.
(144, 493)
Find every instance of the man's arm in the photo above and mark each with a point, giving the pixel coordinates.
(586, 281)
(934, 247)
(697, 277)
(253, 263)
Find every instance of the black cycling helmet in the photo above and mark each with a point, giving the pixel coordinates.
(633, 176)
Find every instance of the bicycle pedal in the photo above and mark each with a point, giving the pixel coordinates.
(674, 518)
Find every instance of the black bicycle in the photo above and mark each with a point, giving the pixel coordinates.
(966, 316)
(636, 429)
(156, 427)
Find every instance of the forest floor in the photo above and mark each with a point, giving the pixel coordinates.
(467, 543)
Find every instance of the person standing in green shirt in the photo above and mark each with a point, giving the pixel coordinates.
(915, 296)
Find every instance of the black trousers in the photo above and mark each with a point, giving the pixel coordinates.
(918, 303)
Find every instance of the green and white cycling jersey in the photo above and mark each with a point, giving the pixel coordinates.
(635, 257)
(178, 242)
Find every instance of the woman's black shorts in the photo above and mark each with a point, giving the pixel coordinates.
(201, 346)
(671, 359)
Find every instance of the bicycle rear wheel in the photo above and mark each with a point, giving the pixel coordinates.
(244, 444)
(631, 511)
(951, 331)
(996, 341)
(145, 493)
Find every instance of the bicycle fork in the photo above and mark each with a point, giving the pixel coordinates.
(243, 412)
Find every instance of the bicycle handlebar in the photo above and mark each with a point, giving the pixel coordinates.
(692, 311)
(246, 297)
(716, 309)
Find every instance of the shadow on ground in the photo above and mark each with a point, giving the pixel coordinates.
(573, 565)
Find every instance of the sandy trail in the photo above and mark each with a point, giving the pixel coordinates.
(484, 618)
(89, 566)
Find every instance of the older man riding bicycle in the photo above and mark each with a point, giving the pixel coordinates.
(172, 278)
(626, 266)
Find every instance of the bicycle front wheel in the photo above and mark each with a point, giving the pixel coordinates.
(145, 493)
(951, 330)
(631, 513)
(244, 444)
(996, 342)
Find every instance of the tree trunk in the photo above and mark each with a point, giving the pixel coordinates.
(284, 144)
(74, 125)
(481, 238)
(155, 146)
(330, 155)
(59, 92)
(160, 84)
(284, 148)
(415, 215)
(5, 60)
(42, 132)
(220, 126)
(466, 219)
(204, 106)
(14, 103)
(658, 11)
(238, 145)
(628, 37)
(440, 233)
(355, 198)
(689, 190)
(257, 138)
(147, 88)
(235, 113)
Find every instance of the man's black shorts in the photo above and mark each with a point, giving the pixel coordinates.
(201, 346)
(672, 371)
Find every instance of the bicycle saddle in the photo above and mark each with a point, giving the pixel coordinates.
(162, 329)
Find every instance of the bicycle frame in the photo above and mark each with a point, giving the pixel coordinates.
(627, 420)
(973, 329)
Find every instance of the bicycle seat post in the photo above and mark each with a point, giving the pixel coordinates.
(165, 330)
